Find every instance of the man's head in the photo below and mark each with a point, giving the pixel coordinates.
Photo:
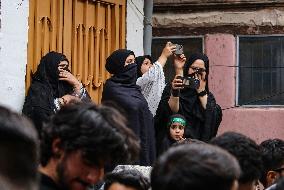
(195, 166)
(247, 153)
(130, 179)
(81, 140)
(272, 151)
(18, 152)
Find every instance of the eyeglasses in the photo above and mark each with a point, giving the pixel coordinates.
(198, 70)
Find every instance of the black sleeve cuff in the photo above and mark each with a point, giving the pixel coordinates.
(175, 93)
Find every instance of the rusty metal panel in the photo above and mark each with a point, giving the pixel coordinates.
(86, 31)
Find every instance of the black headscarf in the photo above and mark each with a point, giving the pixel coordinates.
(45, 87)
(121, 89)
(47, 73)
(121, 74)
(188, 96)
(192, 59)
(139, 61)
(115, 62)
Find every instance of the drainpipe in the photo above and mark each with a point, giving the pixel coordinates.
(147, 37)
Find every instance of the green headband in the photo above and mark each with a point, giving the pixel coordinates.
(177, 120)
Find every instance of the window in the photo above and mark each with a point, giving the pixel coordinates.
(190, 45)
(261, 70)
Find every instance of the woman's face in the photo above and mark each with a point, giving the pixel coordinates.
(176, 131)
(129, 60)
(146, 65)
(198, 65)
(63, 65)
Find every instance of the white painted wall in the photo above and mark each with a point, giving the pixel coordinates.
(134, 29)
(13, 52)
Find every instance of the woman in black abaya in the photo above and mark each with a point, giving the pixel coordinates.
(52, 86)
(121, 89)
(198, 105)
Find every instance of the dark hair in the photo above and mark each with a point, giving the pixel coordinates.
(98, 131)
(139, 61)
(245, 150)
(18, 150)
(130, 178)
(195, 166)
(272, 151)
(188, 141)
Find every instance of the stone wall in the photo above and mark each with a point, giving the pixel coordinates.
(209, 17)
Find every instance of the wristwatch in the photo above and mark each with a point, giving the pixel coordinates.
(202, 93)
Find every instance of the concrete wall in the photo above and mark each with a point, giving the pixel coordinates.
(257, 123)
(221, 22)
(134, 29)
(13, 52)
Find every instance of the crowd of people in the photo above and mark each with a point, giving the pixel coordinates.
(145, 135)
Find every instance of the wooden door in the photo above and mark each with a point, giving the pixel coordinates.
(86, 31)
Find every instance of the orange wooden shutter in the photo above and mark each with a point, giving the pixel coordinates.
(86, 31)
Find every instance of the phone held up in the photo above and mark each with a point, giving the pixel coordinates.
(179, 49)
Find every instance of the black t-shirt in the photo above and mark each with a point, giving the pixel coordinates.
(46, 183)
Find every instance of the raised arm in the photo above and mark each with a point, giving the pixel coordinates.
(176, 84)
(167, 52)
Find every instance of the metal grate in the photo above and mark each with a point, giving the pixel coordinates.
(261, 70)
(86, 31)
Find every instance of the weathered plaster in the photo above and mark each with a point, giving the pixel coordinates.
(265, 17)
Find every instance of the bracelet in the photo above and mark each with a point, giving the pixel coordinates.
(202, 93)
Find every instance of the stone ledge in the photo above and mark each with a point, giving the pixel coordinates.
(265, 17)
(202, 5)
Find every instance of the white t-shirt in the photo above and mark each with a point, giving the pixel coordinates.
(152, 84)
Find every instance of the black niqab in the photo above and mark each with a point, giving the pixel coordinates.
(45, 87)
(115, 62)
(121, 89)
